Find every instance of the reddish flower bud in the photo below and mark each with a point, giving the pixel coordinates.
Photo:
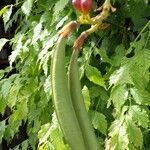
(77, 5)
(83, 6)
(86, 6)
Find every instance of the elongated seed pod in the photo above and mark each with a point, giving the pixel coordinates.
(78, 104)
(62, 100)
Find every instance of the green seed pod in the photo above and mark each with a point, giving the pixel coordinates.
(62, 100)
(79, 106)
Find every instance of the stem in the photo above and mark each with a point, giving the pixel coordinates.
(97, 22)
(142, 31)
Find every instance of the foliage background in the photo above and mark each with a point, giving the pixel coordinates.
(114, 70)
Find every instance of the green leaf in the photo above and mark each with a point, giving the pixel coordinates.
(118, 137)
(7, 14)
(134, 134)
(103, 55)
(99, 121)
(37, 33)
(15, 120)
(26, 7)
(44, 133)
(131, 147)
(59, 6)
(17, 50)
(119, 95)
(119, 54)
(140, 97)
(86, 96)
(139, 66)
(3, 105)
(139, 115)
(95, 76)
(51, 132)
(2, 72)
(2, 129)
(120, 76)
(95, 91)
(3, 42)
(5, 88)
(3, 10)
(134, 10)
(25, 145)
(13, 95)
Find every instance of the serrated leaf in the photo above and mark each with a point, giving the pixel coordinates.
(17, 50)
(139, 79)
(57, 139)
(118, 137)
(2, 42)
(37, 33)
(15, 120)
(103, 55)
(120, 76)
(59, 6)
(139, 115)
(86, 97)
(140, 97)
(13, 95)
(119, 95)
(51, 132)
(99, 92)
(3, 105)
(94, 91)
(26, 7)
(134, 134)
(131, 147)
(119, 54)
(43, 54)
(139, 66)
(99, 121)
(134, 10)
(2, 129)
(7, 14)
(44, 133)
(25, 145)
(20, 112)
(5, 88)
(94, 75)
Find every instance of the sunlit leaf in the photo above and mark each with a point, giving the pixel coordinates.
(139, 115)
(7, 15)
(119, 96)
(86, 96)
(118, 137)
(3, 10)
(134, 134)
(95, 76)
(2, 42)
(59, 6)
(2, 129)
(26, 7)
